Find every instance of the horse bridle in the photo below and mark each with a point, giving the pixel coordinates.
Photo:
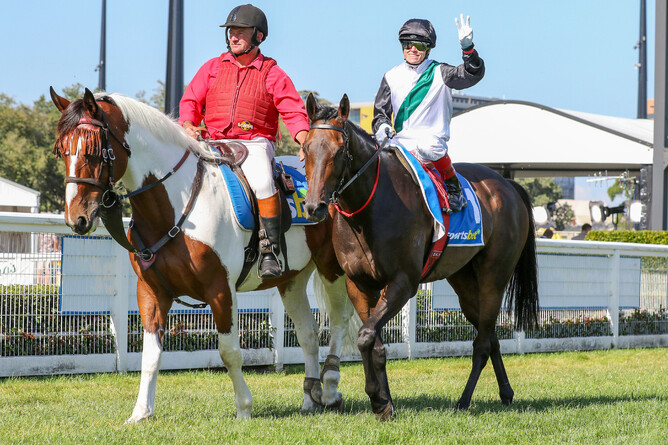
(108, 156)
(348, 158)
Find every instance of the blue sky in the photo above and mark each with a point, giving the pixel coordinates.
(574, 55)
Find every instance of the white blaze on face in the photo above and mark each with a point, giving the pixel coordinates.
(71, 189)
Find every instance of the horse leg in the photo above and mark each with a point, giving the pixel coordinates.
(505, 390)
(394, 296)
(298, 308)
(340, 312)
(153, 311)
(224, 308)
(482, 311)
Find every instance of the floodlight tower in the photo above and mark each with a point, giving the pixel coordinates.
(658, 191)
(642, 62)
(174, 78)
(101, 68)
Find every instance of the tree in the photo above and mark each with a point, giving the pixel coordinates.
(563, 216)
(541, 190)
(621, 187)
(27, 135)
(285, 145)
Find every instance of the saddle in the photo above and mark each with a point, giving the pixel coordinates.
(233, 154)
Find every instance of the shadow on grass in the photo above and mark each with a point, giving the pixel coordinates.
(435, 403)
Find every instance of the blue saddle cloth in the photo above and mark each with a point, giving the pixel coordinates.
(465, 226)
(241, 203)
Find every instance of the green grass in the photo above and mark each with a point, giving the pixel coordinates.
(617, 396)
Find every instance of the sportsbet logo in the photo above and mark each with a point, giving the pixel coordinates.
(464, 235)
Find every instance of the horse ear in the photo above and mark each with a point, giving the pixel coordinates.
(90, 104)
(311, 106)
(60, 102)
(344, 107)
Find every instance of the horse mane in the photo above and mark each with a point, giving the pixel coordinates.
(136, 113)
(165, 128)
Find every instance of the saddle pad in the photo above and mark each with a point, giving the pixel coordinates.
(466, 225)
(241, 203)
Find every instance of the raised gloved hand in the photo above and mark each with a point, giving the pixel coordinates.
(464, 30)
(384, 131)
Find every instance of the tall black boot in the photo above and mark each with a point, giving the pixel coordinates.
(270, 247)
(456, 197)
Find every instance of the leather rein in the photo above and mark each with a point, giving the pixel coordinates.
(348, 157)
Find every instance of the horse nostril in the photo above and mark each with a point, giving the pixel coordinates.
(316, 212)
(81, 223)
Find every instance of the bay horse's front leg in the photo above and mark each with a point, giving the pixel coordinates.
(369, 342)
(154, 318)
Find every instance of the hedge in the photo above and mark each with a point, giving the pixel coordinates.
(630, 236)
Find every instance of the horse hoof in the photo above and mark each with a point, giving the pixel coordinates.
(338, 405)
(136, 419)
(386, 414)
(462, 405)
(507, 397)
(242, 415)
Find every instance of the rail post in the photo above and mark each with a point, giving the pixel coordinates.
(613, 302)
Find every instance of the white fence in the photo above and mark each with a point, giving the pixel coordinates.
(68, 305)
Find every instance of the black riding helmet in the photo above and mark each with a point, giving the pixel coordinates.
(247, 16)
(420, 30)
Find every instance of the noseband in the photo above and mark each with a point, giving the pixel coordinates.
(348, 157)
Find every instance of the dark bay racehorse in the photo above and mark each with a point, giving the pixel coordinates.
(102, 138)
(382, 247)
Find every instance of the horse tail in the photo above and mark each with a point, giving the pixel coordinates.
(523, 285)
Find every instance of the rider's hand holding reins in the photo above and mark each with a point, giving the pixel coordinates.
(193, 131)
(384, 132)
(465, 31)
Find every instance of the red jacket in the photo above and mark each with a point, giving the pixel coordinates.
(243, 103)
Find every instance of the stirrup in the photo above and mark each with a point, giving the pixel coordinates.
(272, 268)
(456, 201)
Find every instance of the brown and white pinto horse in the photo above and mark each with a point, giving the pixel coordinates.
(384, 240)
(204, 259)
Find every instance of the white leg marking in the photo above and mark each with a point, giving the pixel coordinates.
(298, 308)
(230, 352)
(340, 311)
(150, 366)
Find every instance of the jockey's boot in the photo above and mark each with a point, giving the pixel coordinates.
(269, 265)
(456, 198)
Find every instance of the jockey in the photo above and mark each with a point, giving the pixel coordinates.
(240, 95)
(417, 94)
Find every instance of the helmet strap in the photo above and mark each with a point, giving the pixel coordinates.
(254, 43)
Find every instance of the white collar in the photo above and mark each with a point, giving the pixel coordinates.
(419, 68)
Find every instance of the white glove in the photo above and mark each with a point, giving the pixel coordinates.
(384, 132)
(464, 30)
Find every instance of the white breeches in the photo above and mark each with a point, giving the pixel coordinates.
(257, 167)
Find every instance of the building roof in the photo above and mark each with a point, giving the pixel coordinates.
(535, 140)
(17, 195)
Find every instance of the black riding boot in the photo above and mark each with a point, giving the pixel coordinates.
(456, 197)
(270, 247)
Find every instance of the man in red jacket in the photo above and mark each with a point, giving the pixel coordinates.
(240, 95)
